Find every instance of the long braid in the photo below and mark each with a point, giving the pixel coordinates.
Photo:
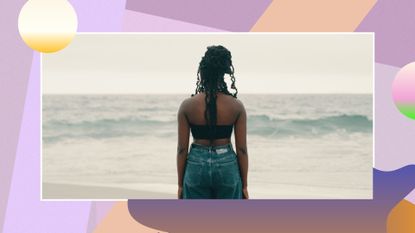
(211, 107)
(210, 80)
(233, 86)
(197, 83)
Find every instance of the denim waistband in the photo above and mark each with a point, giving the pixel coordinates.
(219, 149)
(220, 153)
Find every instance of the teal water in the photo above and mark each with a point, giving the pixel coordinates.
(126, 140)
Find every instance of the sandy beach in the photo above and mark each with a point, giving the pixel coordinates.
(71, 191)
(257, 191)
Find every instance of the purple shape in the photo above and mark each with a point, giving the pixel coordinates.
(394, 25)
(392, 186)
(140, 22)
(98, 15)
(394, 133)
(99, 209)
(25, 212)
(231, 15)
(15, 62)
(285, 215)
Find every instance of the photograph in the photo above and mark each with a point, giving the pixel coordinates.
(208, 116)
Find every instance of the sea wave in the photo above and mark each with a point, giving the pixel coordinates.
(108, 122)
(261, 125)
(267, 126)
(56, 130)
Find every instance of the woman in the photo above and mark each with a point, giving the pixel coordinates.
(211, 168)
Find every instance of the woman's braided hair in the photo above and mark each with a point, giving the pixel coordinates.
(216, 62)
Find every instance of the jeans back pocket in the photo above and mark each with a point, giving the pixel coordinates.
(229, 173)
(193, 173)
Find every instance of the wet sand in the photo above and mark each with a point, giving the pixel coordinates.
(70, 191)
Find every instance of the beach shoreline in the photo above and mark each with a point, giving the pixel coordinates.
(78, 191)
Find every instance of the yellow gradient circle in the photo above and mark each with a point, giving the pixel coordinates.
(47, 25)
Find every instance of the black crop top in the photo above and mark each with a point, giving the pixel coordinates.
(202, 131)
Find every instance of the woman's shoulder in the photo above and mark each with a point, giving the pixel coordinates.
(240, 105)
(235, 101)
(188, 101)
(239, 102)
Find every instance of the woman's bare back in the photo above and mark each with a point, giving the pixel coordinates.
(228, 111)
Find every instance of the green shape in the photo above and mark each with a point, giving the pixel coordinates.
(407, 110)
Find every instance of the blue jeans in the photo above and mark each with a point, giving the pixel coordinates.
(212, 172)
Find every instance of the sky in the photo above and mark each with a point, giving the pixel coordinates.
(167, 63)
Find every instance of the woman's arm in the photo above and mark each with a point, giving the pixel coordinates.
(241, 148)
(182, 145)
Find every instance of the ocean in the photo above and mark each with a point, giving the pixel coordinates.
(300, 145)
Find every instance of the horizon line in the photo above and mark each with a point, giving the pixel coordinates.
(249, 93)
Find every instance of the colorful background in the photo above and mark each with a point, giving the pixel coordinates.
(391, 210)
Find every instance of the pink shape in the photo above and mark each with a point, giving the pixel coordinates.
(404, 85)
(411, 197)
(141, 22)
(98, 15)
(25, 212)
(16, 59)
(394, 133)
(99, 209)
(393, 23)
(232, 15)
